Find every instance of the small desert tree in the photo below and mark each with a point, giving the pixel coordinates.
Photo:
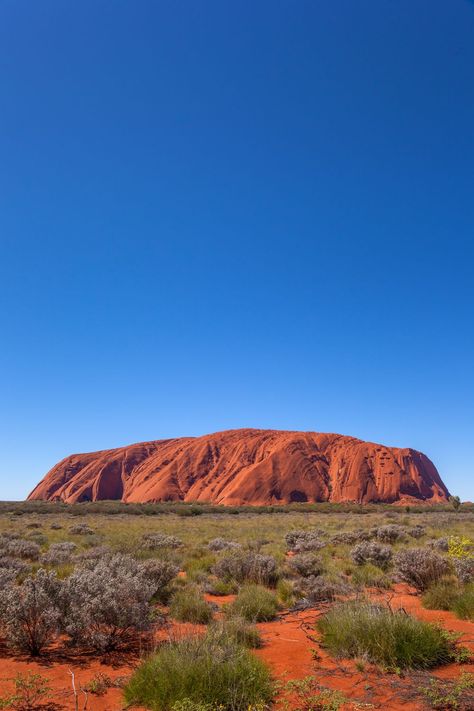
(31, 613)
(104, 604)
(455, 502)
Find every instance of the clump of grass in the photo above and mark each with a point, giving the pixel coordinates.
(286, 592)
(238, 630)
(394, 640)
(188, 605)
(254, 603)
(370, 576)
(442, 595)
(207, 670)
(220, 587)
(463, 605)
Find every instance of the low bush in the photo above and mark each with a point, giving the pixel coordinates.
(417, 531)
(300, 541)
(159, 574)
(351, 537)
(306, 564)
(11, 568)
(439, 544)
(7, 576)
(464, 568)
(37, 537)
(254, 603)
(31, 613)
(241, 566)
(92, 555)
(155, 541)
(220, 544)
(391, 533)
(420, 567)
(81, 529)
(201, 672)
(320, 590)
(371, 552)
(188, 605)
(59, 553)
(21, 548)
(394, 640)
(105, 604)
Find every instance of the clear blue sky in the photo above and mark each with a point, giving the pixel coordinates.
(218, 215)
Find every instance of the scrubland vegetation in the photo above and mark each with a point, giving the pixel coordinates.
(103, 579)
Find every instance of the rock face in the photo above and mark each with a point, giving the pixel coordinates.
(247, 466)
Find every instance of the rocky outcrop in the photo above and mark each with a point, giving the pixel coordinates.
(247, 466)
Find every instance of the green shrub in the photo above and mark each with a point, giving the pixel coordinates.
(199, 567)
(286, 592)
(188, 605)
(220, 587)
(441, 596)
(30, 692)
(370, 576)
(393, 639)
(312, 696)
(463, 606)
(446, 694)
(201, 671)
(238, 630)
(254, 603)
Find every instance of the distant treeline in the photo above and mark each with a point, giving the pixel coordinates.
(19, 508)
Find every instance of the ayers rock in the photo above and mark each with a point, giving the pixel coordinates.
(247, 466)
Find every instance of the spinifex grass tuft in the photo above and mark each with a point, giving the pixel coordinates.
(206, 670)
(392, 639)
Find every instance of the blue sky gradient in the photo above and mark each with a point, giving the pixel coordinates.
(217, 215)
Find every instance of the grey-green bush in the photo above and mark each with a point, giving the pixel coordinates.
(244, 566)
(420, 567)
(106, 603)
(371, 552)
(306, 564)
(31, 613)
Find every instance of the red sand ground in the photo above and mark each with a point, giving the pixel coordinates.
(256, 467)
(289, 643)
